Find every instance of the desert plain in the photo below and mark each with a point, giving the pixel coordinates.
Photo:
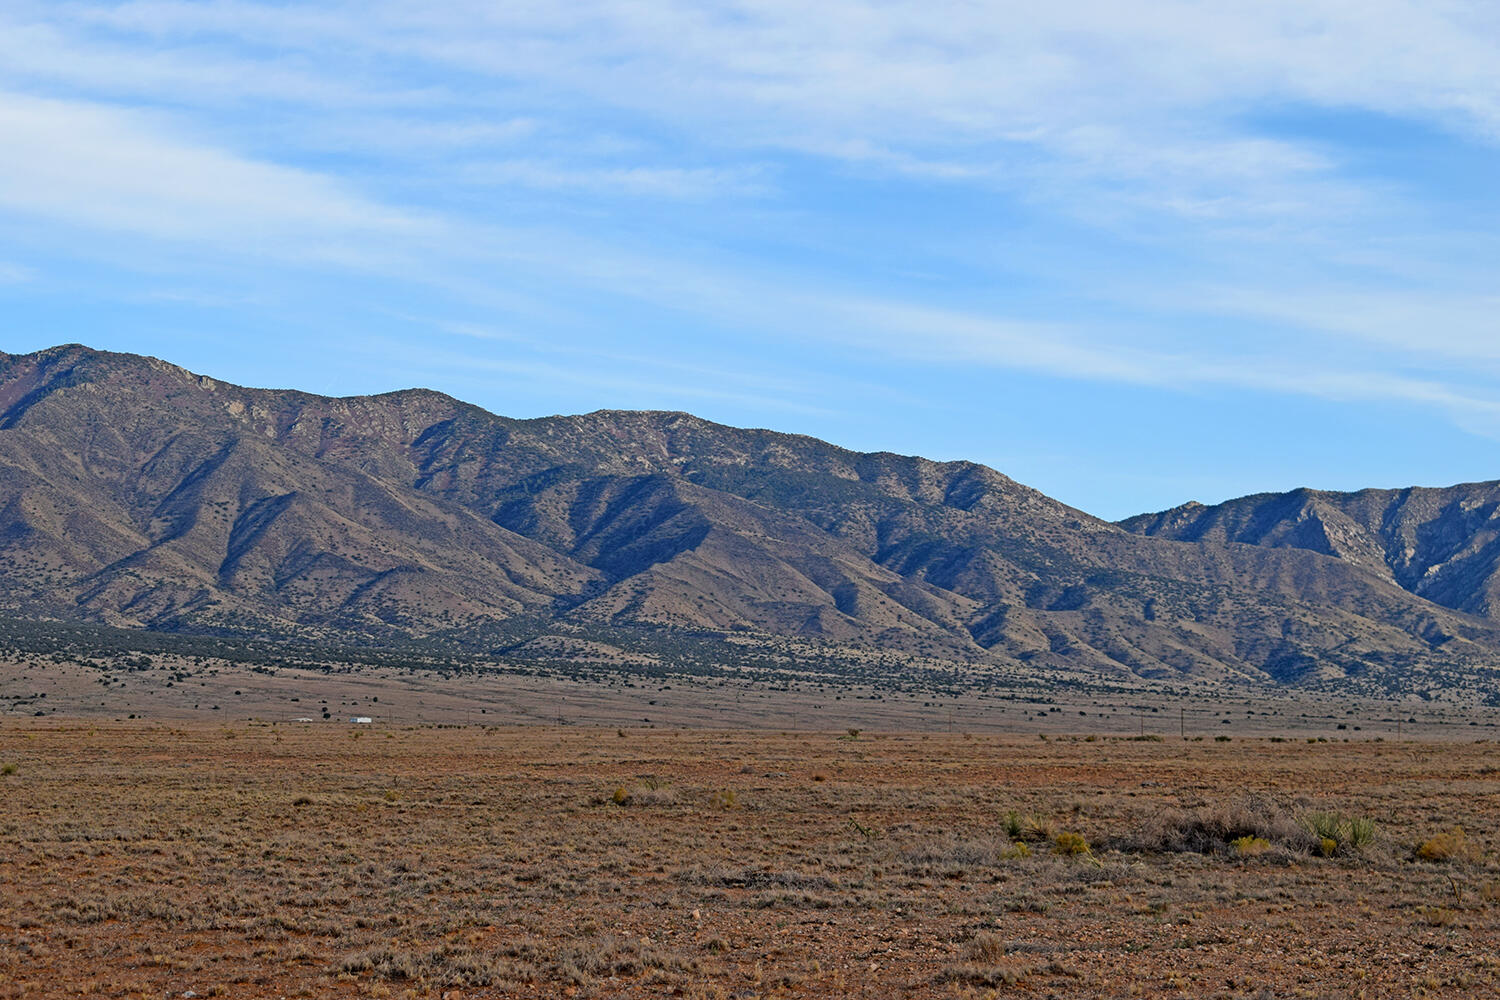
(260, 857)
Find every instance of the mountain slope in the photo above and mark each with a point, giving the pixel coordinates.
(127, 501)
(1440, 544)
(135, 493)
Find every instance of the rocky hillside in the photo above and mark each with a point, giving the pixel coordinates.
(1440, 544)
(137, 494)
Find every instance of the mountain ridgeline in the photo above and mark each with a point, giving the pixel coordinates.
(1440, 544)
(136, 494)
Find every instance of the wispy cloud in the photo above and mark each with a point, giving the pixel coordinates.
(1457, 325)
(1072, 80)
(690, 183)
(425, 144)
(620, 376)
(15, 274)
(1094, 102)
(1073, 352)
(97, 166)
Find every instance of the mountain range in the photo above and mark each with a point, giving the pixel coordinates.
(136, 494)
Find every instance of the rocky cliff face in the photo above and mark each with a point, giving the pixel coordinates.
(135, 493)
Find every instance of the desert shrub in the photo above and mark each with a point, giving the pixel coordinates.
(986, 946)
(658, 795)
(1324, 825)
(724, 798)
(1213, 829)
(1454, 845)
(453, 965)
(1337, 832)
(954, 853)
(1361, 831)
(1028, 827)
(9, 769)
(1436, 916)
(446, 966)
(985, 975)
(650, 792)
(1249, 846)
(1070, 844)
(974, 852)
(1027, 903)
(1039, 829)
(617, 956)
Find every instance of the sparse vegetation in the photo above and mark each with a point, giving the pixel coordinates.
(504, 867)
(1337, 832)
(1213, 829)
(1030, 828)
(648, 792)
(1249, 846)
(1070, 844)
(1452, 846)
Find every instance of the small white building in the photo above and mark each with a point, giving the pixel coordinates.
(363, 720)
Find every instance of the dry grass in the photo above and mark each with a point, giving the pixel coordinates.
(295, 861)
(1452, 846)
(1215, 828)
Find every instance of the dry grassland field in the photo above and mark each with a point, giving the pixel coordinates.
(258, 859)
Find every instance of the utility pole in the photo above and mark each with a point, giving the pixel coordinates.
(1181, 722)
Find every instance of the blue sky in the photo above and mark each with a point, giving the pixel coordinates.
(1130, 254)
